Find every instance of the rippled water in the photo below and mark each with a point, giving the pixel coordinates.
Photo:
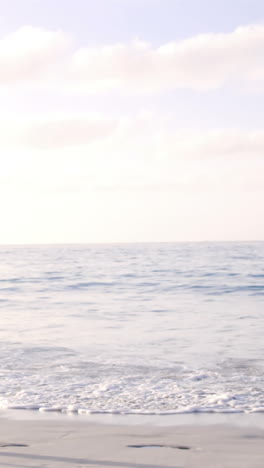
(151, 328)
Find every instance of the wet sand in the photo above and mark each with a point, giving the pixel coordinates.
(75, 442)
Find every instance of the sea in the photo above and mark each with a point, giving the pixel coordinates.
(152, 329)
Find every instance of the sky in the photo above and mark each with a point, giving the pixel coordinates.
(131, 121)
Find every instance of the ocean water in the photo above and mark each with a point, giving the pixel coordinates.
(143, 328)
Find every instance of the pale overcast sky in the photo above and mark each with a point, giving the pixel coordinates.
(131, 120)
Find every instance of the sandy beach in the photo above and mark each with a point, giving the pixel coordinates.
(75, 442)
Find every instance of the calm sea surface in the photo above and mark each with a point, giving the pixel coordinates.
(150, 328)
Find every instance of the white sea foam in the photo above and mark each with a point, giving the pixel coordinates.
(153, 329)
(150, 392)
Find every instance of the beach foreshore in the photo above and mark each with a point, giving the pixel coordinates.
(62, 441)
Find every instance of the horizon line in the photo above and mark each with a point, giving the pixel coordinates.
(43, 244)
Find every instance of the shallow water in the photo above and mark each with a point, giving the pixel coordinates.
(151, 328)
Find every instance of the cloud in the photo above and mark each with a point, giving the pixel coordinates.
(54, 132)
(90, 153)
(138, 171)
(29, 53)
(201, 62)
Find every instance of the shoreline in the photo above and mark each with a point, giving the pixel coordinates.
(46, 440)
(255, 420)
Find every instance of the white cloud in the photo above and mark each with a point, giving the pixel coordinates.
(29, 53)
(130, 180)
(147, 135)
(143, 153)
(54, 132)
(202, 62)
